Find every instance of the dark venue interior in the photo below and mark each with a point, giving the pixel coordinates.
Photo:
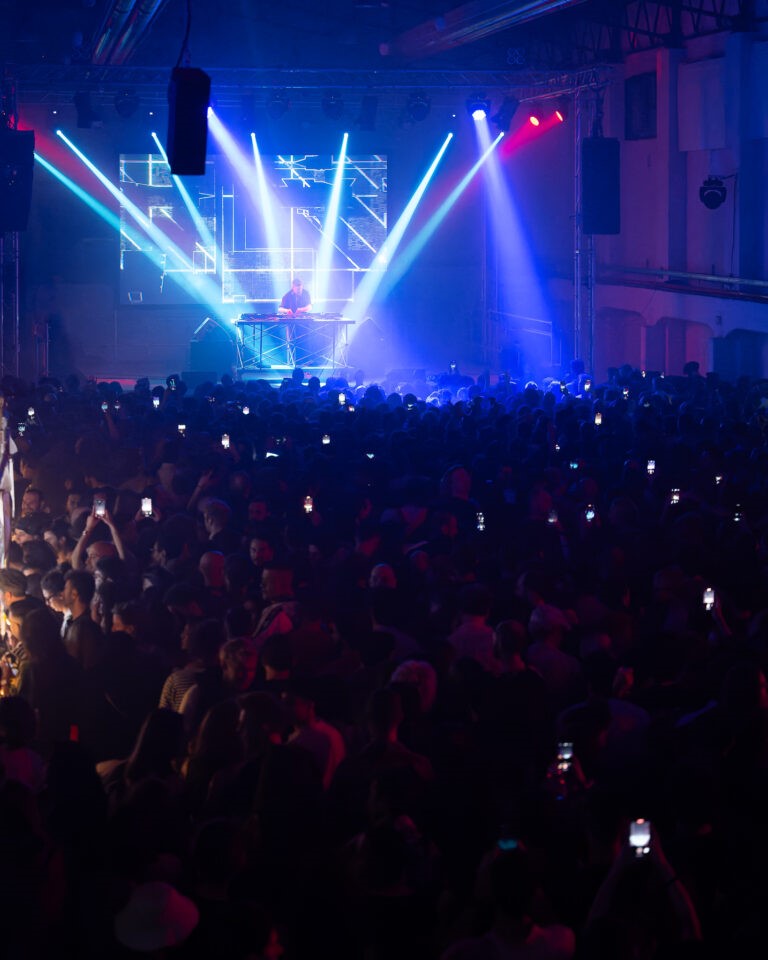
(383, 502)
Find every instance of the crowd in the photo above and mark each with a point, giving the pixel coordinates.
(329, 670)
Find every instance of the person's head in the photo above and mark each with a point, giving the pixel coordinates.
(98, 550)
(383, 577)
(261, 551)
(32, 501)
(239, 660)
(297, 286)
(52, 587)
(204, 640)
(18, 612)
(276, 583)
(79, 587)
(38, 557)
(216, 516)
(13, 585)
(548, 624)
(211, 568)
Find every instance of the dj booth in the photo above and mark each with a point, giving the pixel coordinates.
(271, 340)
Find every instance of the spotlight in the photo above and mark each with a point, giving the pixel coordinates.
(277, 106)
(86, 116)
(478, 107)
(712, 193)
(126, 103)
(534, 117)
(562, 108)
(503, 117)
(333, 106)
(418, 107)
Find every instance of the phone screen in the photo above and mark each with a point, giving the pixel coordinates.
(146, 506)
(99, 507)
(640, 837)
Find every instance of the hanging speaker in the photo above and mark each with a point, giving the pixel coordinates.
(17, 160)
(600, 186)
(189, 94)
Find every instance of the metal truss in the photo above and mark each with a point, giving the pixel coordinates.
(606, 31)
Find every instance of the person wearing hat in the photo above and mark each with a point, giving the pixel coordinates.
(296, 302)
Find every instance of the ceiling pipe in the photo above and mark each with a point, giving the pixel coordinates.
(470, 22)
(139, 23)
(112, 26)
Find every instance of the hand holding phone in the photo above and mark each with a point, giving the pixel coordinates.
(146, 506)
(99, 507)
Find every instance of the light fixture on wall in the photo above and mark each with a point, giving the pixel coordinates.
(478, 107)
(712, 193)
(503, 116)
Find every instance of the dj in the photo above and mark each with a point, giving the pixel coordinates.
(297, 301)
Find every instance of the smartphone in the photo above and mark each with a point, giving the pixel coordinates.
(590, 513)
(246, 411)
(370, 455)
(31, 413)
(452, 366)
(326, 439)
(651, 467)
(598, 419)
(309, 505)
(587, 386)
(640, 837)
(674, 495)
(552, 517)
(117, 405)
(21, 427)
(574, 464)
(104, 406)
(565, 750)
(225, 441)
(155, 402)
(718, 480)
(99, 507)
(172, 383)
(625, 393)
(182, 429)
(480, 521)
(342, 399)
(709, 598)
(271, 453)
(738, 516)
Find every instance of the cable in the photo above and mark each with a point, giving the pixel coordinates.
(185, 41)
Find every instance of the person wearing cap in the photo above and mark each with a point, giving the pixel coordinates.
(296, 302)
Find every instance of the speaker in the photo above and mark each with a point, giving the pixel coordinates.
(600, 186)
(17, 160)
(189, 93)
